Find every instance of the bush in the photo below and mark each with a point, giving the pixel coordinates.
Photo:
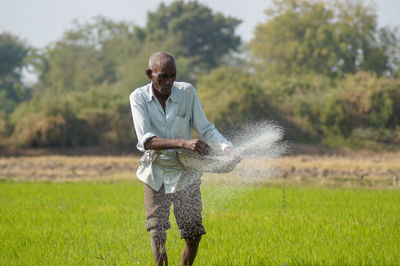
(95, 117)
(360, 107)
(54, 125)
(230, 95)
(110, 127)
(4, 128)
(362, 101)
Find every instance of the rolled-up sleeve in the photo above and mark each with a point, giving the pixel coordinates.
(207, 131)
(141, 121)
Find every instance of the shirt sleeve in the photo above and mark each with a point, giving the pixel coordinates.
(141, 121)
(207, 131)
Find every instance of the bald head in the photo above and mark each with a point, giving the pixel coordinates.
(159, 58)
(162, 72)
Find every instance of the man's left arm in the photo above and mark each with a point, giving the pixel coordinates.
(207, 131)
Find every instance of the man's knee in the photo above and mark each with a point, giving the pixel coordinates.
(193, 241)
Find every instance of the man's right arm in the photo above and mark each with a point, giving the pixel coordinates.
(141, 121)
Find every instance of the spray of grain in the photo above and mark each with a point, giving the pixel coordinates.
(263, 139)
(259, 144)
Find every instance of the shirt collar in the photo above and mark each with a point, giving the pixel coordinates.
(173, 96)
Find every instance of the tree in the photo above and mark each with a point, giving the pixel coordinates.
(89, 54)
(192, 30)
(106, 52)
(96, 63)
(362, 45)
(13, 51)
(312, 36)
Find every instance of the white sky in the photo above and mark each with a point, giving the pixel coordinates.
(43, 21)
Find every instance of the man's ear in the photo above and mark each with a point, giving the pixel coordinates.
(148, 73)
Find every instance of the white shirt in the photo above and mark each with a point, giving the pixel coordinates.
(182, 113)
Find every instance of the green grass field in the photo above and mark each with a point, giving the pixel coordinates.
(82, 223)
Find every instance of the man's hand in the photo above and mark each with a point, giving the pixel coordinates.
(230, 152)
(227, 151)
(197, 145)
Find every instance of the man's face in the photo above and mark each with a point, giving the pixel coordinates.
(163, 76)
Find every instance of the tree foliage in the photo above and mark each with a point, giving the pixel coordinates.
(106, 52)
(78, 119)
(13, 52)
(321, 69)
(88, 55)
(238, 95)
(313, 36)
(194, 31)
(85, 76)
(361, 106)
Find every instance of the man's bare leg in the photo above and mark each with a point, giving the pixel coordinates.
(190, 250)
(158, 239)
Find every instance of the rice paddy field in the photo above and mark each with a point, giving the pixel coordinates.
(303, 210)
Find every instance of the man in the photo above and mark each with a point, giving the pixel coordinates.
(164, 114)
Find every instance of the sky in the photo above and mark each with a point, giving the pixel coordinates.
(41, 22)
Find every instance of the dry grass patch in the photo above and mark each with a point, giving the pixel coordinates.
(330, 170)
(68, 167)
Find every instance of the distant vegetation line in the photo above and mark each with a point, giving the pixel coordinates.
(325, 72)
